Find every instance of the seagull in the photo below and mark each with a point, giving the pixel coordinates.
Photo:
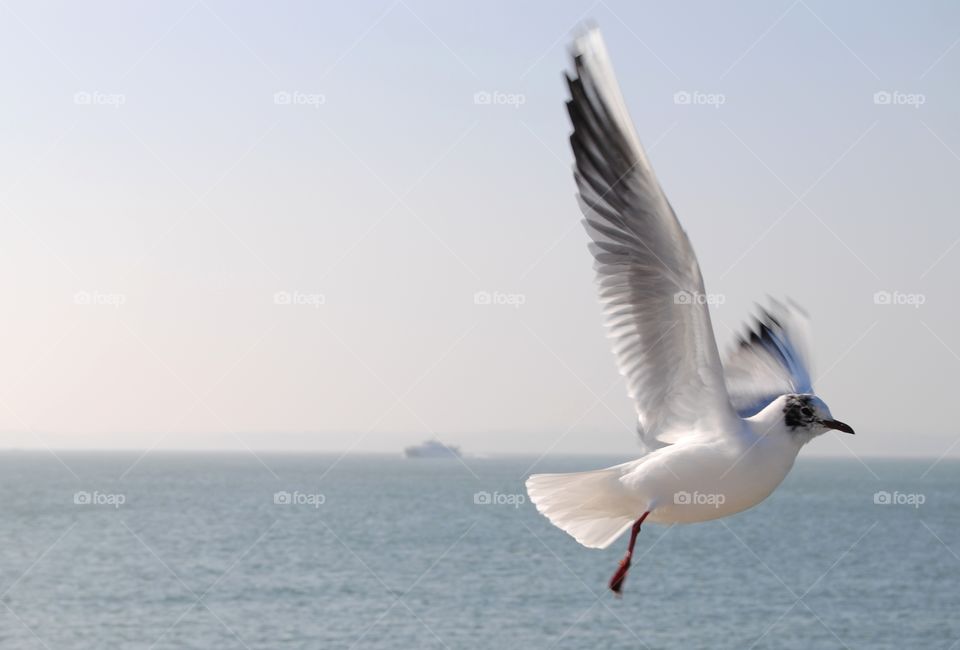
(719, 437)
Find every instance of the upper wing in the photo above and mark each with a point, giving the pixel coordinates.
(771, 360)
(650, 282)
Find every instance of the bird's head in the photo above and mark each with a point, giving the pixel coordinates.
(808, 416)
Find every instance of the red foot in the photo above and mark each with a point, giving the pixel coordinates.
(616, 582)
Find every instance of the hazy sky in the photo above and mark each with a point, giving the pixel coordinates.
(172, 174)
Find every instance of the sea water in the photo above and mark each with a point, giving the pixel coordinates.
(110, 550)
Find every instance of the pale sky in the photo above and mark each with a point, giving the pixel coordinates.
(172, 171)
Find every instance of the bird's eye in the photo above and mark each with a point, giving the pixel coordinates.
(806, 411)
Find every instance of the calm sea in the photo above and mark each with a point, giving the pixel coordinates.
(226, 551)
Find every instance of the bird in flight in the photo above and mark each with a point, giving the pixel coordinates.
(720, 437)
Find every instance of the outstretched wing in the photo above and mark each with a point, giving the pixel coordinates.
(650, 283)
(772, 359)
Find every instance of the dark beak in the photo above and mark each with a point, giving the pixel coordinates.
(838, 425)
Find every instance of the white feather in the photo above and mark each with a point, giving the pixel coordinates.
(650, 282)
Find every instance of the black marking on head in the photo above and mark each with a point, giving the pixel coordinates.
(799, 412)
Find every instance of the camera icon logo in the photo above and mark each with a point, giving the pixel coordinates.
(882, 498)
(482, 498)
(282, 498)
(82, 498)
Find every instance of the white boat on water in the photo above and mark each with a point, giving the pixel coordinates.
(432, 449)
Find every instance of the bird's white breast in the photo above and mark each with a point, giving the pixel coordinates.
(699, 481)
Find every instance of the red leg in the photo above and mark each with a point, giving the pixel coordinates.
(616, 582)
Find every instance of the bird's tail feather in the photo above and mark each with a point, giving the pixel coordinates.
(593, 507)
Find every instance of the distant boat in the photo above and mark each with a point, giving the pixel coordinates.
(432, 449)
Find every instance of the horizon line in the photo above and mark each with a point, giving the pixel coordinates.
(399, 453)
